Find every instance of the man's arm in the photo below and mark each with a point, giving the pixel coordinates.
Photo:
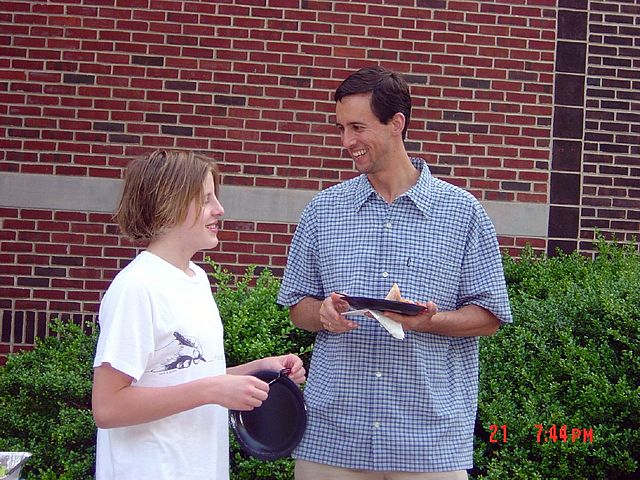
(306, 314)
(468, 321)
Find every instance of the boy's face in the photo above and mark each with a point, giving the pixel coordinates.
(199, 230)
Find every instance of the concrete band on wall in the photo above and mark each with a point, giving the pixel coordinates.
(85, 194)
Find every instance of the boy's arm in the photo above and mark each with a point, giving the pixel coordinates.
(116, 403)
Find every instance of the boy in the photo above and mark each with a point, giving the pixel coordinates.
(161, 388)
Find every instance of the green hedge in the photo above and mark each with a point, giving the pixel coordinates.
(255, 326)
(571, 358)
(45, 405)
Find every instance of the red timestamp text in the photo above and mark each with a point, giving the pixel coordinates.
(497, 433)
(553, 433)
(562, 433)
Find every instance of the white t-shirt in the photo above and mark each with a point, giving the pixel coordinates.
(162, 327)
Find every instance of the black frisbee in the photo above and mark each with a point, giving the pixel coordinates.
(381, 305)
(275, 428)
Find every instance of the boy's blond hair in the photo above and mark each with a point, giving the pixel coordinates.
(158, 190)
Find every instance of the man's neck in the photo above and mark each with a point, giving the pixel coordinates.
(392, 182)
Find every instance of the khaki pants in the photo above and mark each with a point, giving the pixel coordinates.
(318, 471)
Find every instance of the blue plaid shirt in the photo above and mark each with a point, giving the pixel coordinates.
(375, 402)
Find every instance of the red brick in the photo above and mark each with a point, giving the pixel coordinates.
(271, 250)
(239, 247)
(16, 292)
(29, 236)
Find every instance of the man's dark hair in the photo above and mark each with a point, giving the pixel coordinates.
(389, 92)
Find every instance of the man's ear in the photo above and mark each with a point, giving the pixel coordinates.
(398, 122)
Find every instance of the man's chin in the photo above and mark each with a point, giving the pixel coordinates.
(361, 166)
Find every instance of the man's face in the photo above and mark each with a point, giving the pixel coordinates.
(367, 140)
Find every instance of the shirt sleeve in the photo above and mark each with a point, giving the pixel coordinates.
(126, 332)
(302, 273)
(483, 281)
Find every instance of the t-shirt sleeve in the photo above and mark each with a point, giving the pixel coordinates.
(126, 334)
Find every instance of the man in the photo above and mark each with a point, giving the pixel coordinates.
(380, 407)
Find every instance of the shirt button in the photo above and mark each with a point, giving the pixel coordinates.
(385, 274)
(387, 225)
(376, 424)
(378, 374)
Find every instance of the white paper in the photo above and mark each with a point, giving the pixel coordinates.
(391, 326)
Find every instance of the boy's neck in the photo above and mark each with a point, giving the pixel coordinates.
(172, 255)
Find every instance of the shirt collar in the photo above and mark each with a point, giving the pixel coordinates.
(418, 194)
(362, 191)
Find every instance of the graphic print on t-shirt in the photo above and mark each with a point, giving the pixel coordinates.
(181, 352)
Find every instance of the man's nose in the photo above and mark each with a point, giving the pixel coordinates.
(348, 140)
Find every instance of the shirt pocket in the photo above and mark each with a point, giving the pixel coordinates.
(429, 278)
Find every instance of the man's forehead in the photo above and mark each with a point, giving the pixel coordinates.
(354, 109)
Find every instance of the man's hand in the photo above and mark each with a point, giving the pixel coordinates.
(330, 317)
(422, 322)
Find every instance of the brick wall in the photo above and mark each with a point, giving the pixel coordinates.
(611, 189)
(87, 84)
(595, 178)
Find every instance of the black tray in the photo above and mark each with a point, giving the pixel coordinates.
(382, 305)
(275, 428)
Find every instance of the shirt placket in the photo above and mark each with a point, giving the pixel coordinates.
(386, 245)
(379, 372)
